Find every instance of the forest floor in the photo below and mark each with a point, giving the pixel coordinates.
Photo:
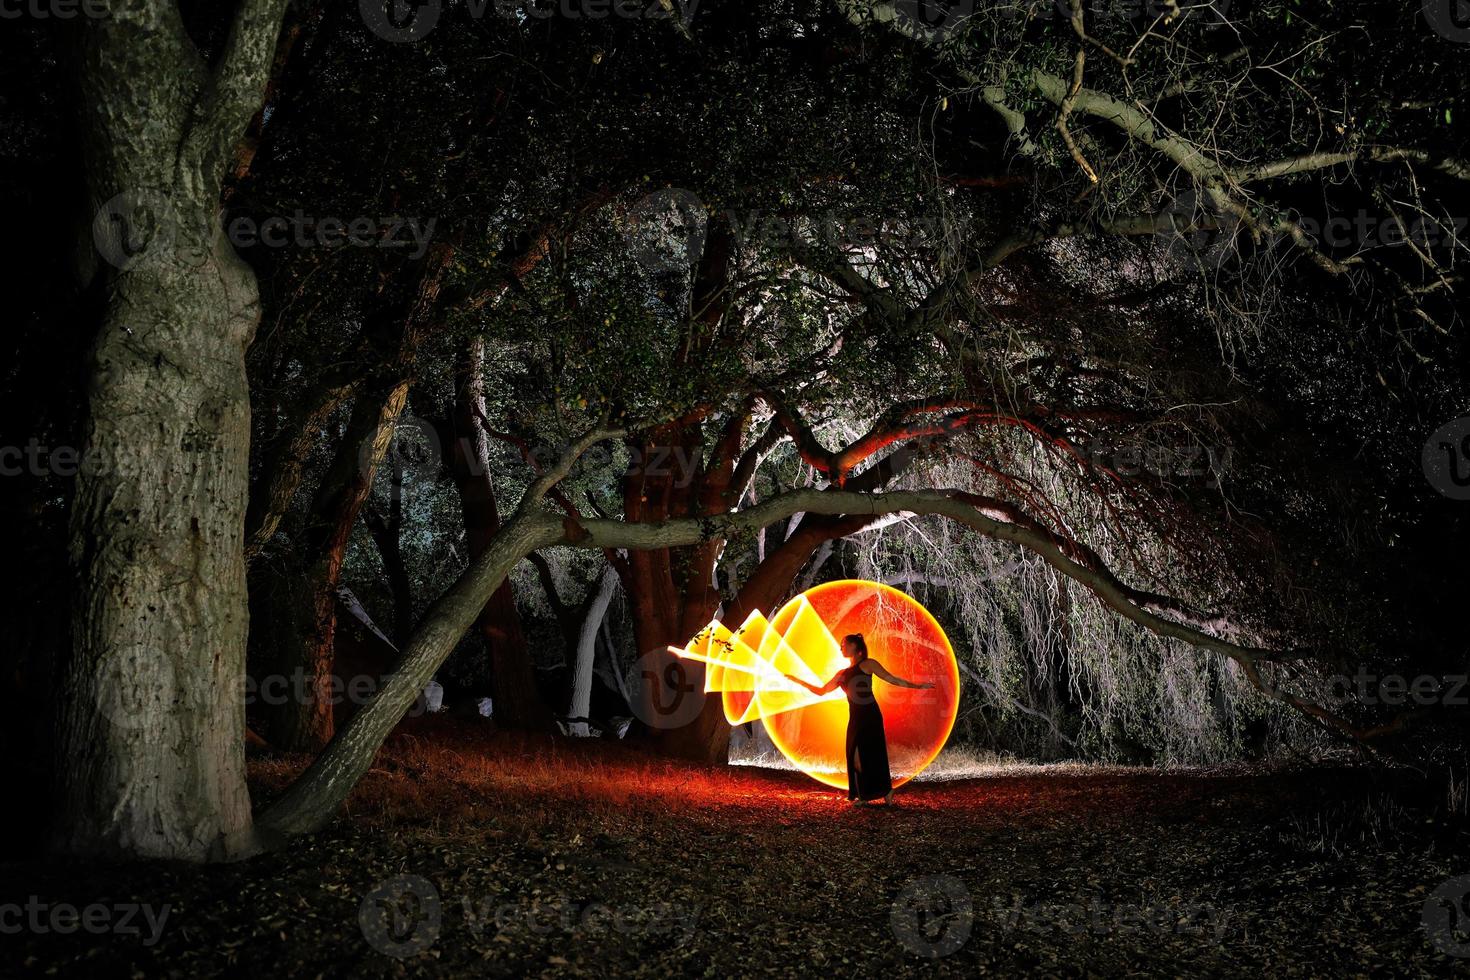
(469, 853)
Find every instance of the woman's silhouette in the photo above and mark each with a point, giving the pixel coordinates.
(867, 747)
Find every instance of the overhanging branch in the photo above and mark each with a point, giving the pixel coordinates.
(992, 519)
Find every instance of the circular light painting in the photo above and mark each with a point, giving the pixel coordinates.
(748, 666)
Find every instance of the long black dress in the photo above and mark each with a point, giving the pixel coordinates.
(867, 747)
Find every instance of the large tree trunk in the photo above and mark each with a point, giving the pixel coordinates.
(150, 747)
(671, 596)
(516, 699)
(672, 590)
(150, 739)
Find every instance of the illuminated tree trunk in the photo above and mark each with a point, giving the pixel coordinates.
(160, 615)
(581, 704)
(673, 596)
(704, 736)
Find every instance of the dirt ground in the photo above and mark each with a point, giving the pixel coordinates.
(469, 853)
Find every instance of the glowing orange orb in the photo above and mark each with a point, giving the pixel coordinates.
(903, 637)
(804, 639)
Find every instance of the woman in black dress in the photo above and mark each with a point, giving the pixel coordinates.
(867, 748)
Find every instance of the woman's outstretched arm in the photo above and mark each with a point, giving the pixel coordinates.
(878, 670)
(818, 690)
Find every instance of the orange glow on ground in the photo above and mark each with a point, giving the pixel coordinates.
(747, 667)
